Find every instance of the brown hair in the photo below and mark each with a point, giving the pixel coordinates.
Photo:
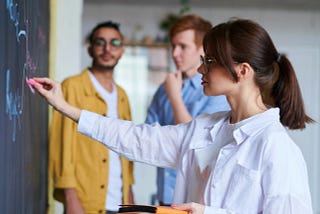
(191, 22)
(240, 40)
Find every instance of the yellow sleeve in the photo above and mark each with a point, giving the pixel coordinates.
(61, 146)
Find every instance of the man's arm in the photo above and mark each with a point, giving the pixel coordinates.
(131, 196)
(72, 203)
(173, 86)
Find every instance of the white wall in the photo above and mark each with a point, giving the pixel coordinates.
(66, 32)
(65, 51)
(294, 32)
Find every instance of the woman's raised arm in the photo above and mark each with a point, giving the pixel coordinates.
(51, 91)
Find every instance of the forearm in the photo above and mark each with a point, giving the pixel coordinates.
(180, 111)
(131, 196)
(72, 202)
(173, 87)
(142, 142)
(70, 194)
(52, 92)
(69, 111)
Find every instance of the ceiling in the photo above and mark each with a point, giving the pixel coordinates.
(277, 4)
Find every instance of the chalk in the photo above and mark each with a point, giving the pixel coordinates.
(31, 83)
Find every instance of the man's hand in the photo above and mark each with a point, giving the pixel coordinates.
(173, 85)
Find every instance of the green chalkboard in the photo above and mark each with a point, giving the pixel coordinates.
(24, 30)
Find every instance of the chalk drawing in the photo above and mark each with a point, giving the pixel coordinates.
(14, 106)
(14, 17)
(31, 65)
(14, 97)
(14, 14)
(15, 94)
(41, 36)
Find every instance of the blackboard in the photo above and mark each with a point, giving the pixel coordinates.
(24, 30)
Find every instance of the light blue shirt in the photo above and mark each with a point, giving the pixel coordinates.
(160, 111)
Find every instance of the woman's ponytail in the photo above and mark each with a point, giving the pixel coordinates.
(287, 96)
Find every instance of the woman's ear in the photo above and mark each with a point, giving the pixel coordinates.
(244, 70)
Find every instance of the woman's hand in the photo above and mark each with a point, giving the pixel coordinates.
(191, 207)
(52, 92)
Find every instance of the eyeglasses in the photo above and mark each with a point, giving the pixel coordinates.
(206, 60)
(101, 43)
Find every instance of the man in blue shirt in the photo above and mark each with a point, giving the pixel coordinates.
(181, 97)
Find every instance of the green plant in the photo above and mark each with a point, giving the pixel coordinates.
(166, 23)
(185, 7)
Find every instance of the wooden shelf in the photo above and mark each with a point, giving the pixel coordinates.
(152, 45)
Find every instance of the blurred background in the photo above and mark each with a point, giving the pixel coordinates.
(294, 26)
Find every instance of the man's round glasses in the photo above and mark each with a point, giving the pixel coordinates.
(101, 43)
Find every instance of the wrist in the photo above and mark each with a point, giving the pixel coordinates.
(70, 194)
(69, 111)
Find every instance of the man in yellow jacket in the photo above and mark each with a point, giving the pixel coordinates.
(87, 177)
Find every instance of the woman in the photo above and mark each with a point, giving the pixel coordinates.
(240, 161)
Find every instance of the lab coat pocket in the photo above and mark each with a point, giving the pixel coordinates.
(244, 190)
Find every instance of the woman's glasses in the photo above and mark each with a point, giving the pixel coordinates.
(206, 61)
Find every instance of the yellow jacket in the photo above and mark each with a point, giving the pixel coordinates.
(76, 161)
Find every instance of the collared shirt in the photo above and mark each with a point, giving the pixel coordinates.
(261, 171)
(160, 111)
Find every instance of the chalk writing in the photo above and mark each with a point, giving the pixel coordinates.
(15, 17)
(23, 118)
(14, 106)
(31, 65)
(16, 82)
(14, 96)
